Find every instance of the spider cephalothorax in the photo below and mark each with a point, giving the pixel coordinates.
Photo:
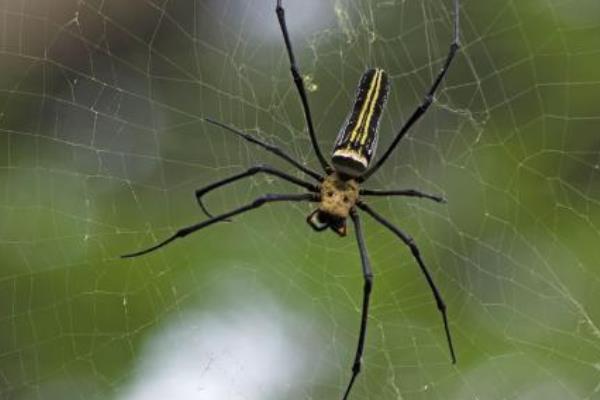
(338, 195)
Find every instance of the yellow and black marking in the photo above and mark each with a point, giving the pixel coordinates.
(357, 140)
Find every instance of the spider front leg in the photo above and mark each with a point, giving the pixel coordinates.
(404, 192)
(368, 285)
(251, 171)
(441, 306)
(300, 86)
(269, 198)
(422, 109)
(269, 147)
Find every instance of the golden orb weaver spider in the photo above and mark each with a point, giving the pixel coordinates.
(338, 192)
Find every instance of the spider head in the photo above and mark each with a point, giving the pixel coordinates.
(338, 196)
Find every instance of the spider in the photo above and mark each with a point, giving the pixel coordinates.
(338, 192)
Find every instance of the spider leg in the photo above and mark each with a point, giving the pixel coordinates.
(417, 255)
(269, 198)
(418, 113)
(269, 147)
(406, 192)
(300, 86)
(251, 171)
(368, 277)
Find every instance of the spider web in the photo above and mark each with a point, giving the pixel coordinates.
(102, 145)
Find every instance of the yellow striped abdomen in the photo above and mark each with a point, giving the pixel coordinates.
(357, 140)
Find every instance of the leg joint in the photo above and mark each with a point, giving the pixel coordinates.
(427, 102)
(261, 200)
(441, 305)
(368, 283)
(410, 242)
(259, 168)
(296, 74)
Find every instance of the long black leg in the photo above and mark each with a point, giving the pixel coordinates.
(368, 285)
(405, 192)
(269, 198)
(417, 255)
(300, 86)
(251, 171)
(269, 147)
(418, 113)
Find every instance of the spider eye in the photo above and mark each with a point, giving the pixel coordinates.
(329, 194)
(346, 199)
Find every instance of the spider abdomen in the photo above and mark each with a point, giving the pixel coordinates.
(357, 140)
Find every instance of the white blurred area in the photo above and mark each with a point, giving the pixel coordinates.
(251, 349)
(303, 18)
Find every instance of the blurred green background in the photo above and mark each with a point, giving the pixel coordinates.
(102, 145)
